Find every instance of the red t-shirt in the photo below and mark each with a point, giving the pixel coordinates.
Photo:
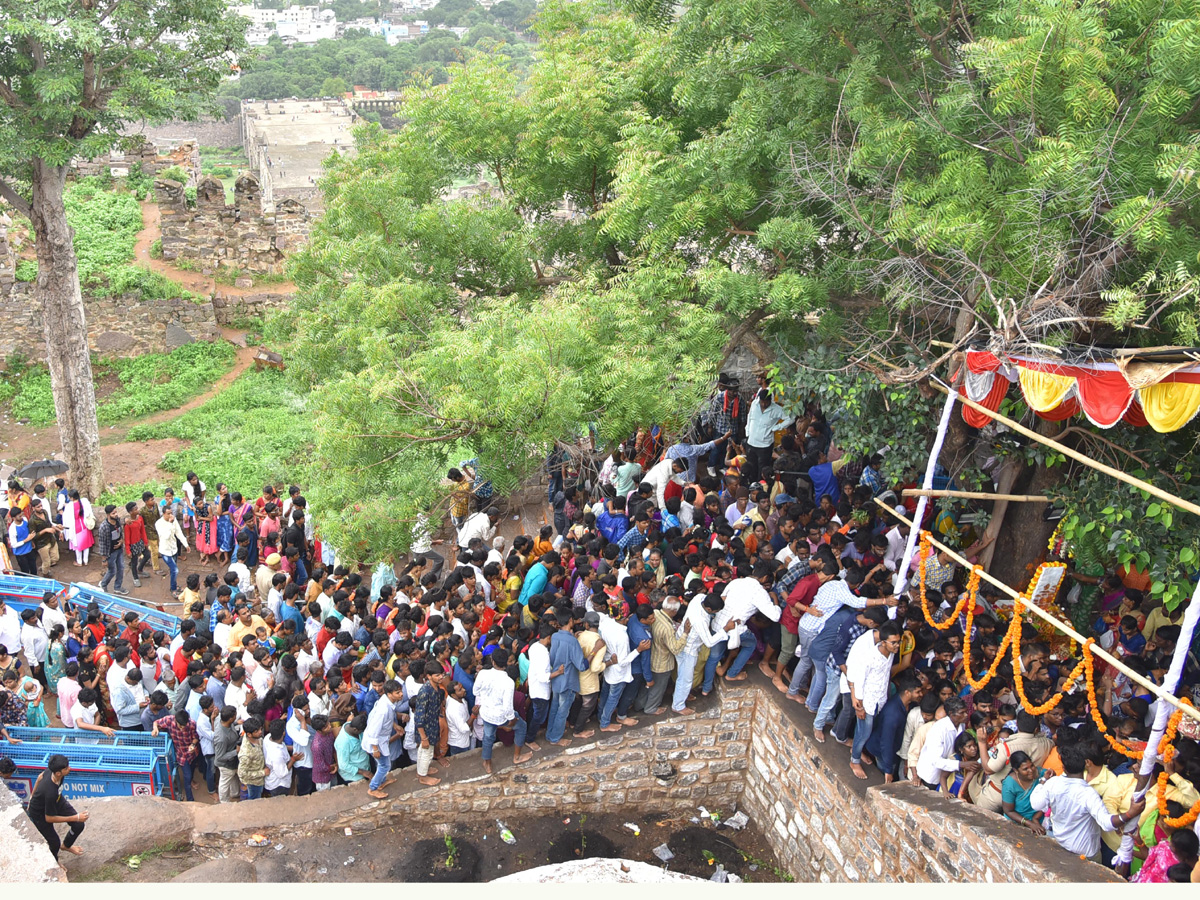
(802, 593)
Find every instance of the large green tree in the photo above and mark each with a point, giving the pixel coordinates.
(72, 74)
(915, 176)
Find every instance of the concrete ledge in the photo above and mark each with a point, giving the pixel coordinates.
(24, 854)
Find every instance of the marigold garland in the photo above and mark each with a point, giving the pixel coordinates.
(1086, 667)
(1094, 706)
(1168, 743)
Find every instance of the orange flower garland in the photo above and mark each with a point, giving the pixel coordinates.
(1013, 627)
(948, 623)
(1168, 743)
(1094, 706)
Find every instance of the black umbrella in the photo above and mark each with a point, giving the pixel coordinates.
(42, 468)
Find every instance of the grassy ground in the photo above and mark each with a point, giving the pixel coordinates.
(158, 864)
(128, 388)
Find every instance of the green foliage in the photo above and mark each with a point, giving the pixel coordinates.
(329, 68)
(147, 384)
(174, 173)
(106, 227)
(255, 431)
(27, 270)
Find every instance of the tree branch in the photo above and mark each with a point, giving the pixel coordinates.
(15, 200)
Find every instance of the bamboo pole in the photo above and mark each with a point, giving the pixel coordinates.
(976, 495)
(1074, 454)
(1061, 626)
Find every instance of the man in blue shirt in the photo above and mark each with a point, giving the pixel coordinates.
(612, 521)
(639, 631)
(20, 539)
(538, 576)
(824, 476)
(888, 733)
(464, 673)
(566, 656)
(635, 537)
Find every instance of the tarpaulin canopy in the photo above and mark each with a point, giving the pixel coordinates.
(1159, 389)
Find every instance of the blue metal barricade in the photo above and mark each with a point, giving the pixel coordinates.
(127, 764)
(23, 592)
(80, 595)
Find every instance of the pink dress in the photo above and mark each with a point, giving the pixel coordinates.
(206, 531)
(81, 538)
(1154, 869)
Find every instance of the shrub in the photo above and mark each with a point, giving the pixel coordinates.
(27, 270)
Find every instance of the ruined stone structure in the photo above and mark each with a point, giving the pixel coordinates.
(246, 236)
(118, 163)
(287, 141)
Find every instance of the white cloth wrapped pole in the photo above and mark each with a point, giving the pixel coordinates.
(919, 517)
(1187, 628)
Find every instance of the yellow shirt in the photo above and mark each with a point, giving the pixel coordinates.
(239, 631)
(1117, 793)
(589, 678)
(512, 589)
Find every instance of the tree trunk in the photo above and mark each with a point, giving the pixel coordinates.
(1024, 539)
(67, 353)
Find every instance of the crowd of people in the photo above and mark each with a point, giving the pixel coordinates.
(669, 567)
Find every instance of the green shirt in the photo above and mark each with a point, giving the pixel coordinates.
(350, 756)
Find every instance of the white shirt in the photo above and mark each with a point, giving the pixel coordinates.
(829, 597)
(261, 680)
(937, 754)
(660, 476)
(115, 676)
(320, 706)
(743, 598)
(170, 537)
(616, 642)
(221, 635)
(245, 581)
(52, 617)
(301, 741)
(87, 715)
(869, 671)
(1079, 813)
(304, 662)
(477, 525)
(190, 492)
(10, 630)
(458, 718)
(35, 643)
(236, 697)
(702, 632)
(204, 730)
(276, 757)
(379, 726)
(539, 671)
(331, 655)
(494, 696)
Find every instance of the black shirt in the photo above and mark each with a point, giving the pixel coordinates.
(46, 800)
(293, 536)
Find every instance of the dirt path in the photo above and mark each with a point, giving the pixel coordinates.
(193, 281)
(124, 462)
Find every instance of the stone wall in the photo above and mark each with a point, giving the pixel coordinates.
(225, 133)
(824, 827)
(117, 326)
(118, 163)
(245, 236)
(229, 307)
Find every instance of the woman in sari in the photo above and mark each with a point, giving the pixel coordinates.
(32, 692)
(56, 657)
(79, 537)
(241, 515)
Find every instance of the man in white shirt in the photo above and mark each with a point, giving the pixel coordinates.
(494, 706)
(222, 629)
(937, 754)
(743, 598)
(698, 623)
(619, 671)
(480, 525)
(237, 692)
(246, 581)
(301, 733)
(52, 613)
(868, 673)
(10, 628)
(458, 719)
(171, 542)
(1079, 813)
(661, 475)
(379, 734)
(538, 680)
(35, 644)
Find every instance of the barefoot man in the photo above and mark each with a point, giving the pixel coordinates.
(47, 807)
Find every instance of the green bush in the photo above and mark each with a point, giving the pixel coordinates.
(148, 384)
(156, 249)
(26, 270)
(174, 173)
(254, 432)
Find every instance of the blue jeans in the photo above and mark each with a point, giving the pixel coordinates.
(174, 570)
(749, 645)
(489, 736)
(254, 791)
(383, 766)
(115, 569)
(804, 663)
(685, 671)
(186, 771)
(560, 708)
(539, 714)
(610, 696)
(830, 697)
(210, 773)
(862, 731)
(716, 653)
